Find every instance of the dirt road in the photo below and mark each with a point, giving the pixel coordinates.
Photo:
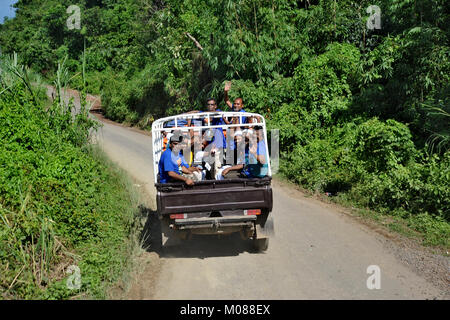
(318, 252)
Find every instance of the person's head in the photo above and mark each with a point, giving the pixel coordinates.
(211, 105)
(248, 134)
(238, 104)
(259, 133)
(209, 135)
(238, 136)
(175, 141)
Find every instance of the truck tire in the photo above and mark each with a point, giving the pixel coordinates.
(153, 233)
(261, 244)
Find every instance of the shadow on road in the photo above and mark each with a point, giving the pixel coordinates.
(207, 246)
(199, 246)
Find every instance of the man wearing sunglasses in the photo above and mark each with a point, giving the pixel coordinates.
(219, 138)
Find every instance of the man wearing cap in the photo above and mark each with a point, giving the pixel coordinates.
(172, 164)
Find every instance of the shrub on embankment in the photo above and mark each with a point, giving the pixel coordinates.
(373, 164)
(61, 203)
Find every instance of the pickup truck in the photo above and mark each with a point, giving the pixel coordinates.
(211, 206)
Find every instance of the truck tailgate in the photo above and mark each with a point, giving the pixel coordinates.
(215, 195)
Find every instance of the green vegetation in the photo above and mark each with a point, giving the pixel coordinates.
(361, 113)
(61, 203)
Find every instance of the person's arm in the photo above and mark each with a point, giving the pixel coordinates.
(226, 120)
(227, 100)
(261, 158)
(185, 170)
(185, 167)
(259, 155)
(176, 176)
(233, 168)
(193, 169)
(189, 170)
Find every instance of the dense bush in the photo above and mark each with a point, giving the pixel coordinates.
(322, 164)
(383, 146)
(59, 203)
(376, 164)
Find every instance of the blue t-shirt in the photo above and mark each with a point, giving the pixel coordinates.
(219, 138)
(168, 162)
(253, 168)
(244, 119)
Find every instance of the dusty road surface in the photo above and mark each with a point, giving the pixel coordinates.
(318, 252)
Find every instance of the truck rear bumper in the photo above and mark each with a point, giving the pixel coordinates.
(216, 225)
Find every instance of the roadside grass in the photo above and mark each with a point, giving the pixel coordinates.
(104, 260)
(428, 230)
(110, 263)
(63, 205)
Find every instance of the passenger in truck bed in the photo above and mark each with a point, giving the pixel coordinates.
(237, 159)
(256, 162)
(219, 137)
(172, 166)
(237, 106)
(253, 162)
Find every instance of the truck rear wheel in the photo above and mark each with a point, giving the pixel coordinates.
(153, 234)
(261, 244)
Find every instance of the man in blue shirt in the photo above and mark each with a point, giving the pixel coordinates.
(218, 142)
(255, 164)
(237, 106)
(172, 164)
(219, 139)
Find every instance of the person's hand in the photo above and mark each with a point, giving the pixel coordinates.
(189, 182)
(227, 86)
(225, 120)
(196, 169)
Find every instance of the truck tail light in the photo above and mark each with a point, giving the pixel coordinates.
(252, 212)
(178, 216)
